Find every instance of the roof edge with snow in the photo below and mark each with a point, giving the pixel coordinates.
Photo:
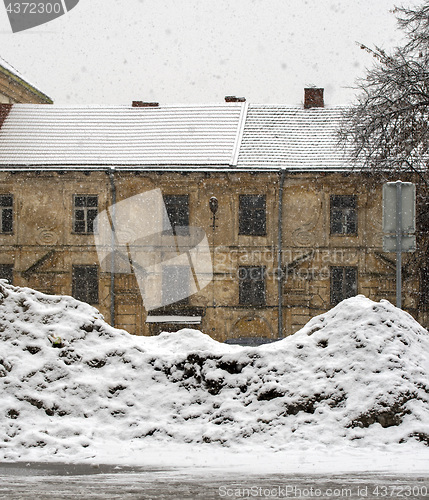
(11, 73)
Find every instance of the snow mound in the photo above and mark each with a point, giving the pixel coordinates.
(71, 384)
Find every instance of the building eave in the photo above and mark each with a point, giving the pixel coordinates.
(30, 88)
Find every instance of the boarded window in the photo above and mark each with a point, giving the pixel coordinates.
(85, 212)
(344, 214)
(6, 272)
(251, 285)
(6, 207)
(85, 284)
(343, 283)
(252, 215)
(177, 206)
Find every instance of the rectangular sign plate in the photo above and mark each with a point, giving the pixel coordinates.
(408, 192)
(408, 243)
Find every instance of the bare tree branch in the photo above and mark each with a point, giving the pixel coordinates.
(386, 132)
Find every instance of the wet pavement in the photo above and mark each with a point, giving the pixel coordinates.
(58, 481)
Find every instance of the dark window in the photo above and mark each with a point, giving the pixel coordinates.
(85, 284)
(175, 285)
(251, 285)
(85, 212)
(344, 214)
(177, 206)
(6, 206)
(343, 283)
(252, 215)
(6, 272)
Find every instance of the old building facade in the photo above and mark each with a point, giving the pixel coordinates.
(291, 229)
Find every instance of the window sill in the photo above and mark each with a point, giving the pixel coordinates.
(342, 235)
(253, 235)
(254, 306)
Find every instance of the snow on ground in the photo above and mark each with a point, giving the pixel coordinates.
(354, 382)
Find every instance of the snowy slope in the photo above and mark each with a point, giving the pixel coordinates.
(357, 375)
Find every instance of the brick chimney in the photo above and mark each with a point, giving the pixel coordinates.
(143, 104)
(233, 98)
(313, 98)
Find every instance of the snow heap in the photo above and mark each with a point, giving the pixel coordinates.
(71, 384)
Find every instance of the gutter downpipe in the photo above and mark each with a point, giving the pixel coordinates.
(282, 173)
(113, 242)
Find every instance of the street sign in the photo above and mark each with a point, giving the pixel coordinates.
(408, 211)
(399, 222)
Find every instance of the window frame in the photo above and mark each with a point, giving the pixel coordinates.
(347, 290)
(344, 211)
(6, 209)
(86, 295)
(248, 223)
(85, 208)
(247, 290)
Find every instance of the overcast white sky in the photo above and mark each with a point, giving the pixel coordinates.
(196, 51)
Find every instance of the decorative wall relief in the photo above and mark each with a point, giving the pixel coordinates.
(46, 236)
(304, 235)
(47, 233)
(252, 326)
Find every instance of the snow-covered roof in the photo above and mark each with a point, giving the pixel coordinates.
(292, 138)
(121, 135)
(7, 66)
(11, 72)
(174, 137)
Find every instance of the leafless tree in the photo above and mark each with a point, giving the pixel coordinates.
(388, 127)
(387, 131)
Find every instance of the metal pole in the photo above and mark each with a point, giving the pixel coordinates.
(214, 270)
(213, 205)
(113, 245)
(280, 255)
(399, 244)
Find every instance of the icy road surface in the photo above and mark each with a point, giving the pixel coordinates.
(53, 482)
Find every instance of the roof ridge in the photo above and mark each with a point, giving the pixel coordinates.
(136, 109)
(240, 132)
(231, 105)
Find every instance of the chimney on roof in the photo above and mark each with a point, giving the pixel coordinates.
(233, 98)
(143, 104)
(313, 98)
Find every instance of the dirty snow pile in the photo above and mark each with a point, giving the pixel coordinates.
(71, 385)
